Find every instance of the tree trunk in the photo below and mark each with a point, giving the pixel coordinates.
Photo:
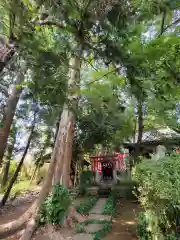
(68, 155)
(135, 128)
(10, 228)
(76, 173)
(11, 107)
(7, 165)
(140, 122)
(45, 189)
(6, 53)
(33, 174)
(53, 234)
(60, 150)
(67, 119)
(27, 234)
(15, 176)
(140, 130)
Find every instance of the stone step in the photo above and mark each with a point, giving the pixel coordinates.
(83, 236)
(93, 227)
(99, 206)
(93, 191)
(99, 217)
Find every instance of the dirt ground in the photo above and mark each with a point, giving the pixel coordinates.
(14, 210)
(124, 226)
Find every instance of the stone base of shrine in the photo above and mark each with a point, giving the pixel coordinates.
(99, 179)
(93, 191)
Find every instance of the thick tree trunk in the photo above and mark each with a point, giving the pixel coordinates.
(7, 165)
(68, 155)
(60, 150)
(27, 234)
(11, 107)
(53, 234)
(67, 119)
(15, 176)
(10, 228)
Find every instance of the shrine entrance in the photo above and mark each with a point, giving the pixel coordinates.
(107, 171)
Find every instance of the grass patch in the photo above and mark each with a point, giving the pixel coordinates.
(106, 229)
(19, 188)
(107, 226)
(110, 206)
(80, 228)
(22, 187)
(84, 208)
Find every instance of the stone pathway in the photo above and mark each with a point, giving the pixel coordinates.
(99, 206)
(95, 214)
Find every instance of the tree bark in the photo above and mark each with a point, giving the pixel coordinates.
(11, 107)
(7, 51)
(33, 174)
(67, 119)
(140, 129)
(10, 228)
(31, 226)
(68, 155)
(7, 165)
(53, 234)
(60, 150)
(15, 176)
(140, 122)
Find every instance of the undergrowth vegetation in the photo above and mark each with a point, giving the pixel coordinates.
(159, 194)
(84, 208)
(110, 206)
(55, 207)
(85, 181)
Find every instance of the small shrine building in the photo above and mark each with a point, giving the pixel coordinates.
(106, 167)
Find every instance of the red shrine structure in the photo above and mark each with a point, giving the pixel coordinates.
(106, 167)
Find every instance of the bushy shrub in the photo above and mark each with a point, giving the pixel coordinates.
(85, 181)
(55, 206)
(159, 193)
(142, 227)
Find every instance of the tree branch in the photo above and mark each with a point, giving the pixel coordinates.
(51, 23)
(173, 23)
(162, 23)
(99, 78)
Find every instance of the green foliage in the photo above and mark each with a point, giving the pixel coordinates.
(86, 177)
(55, 206)
(85, 181)
(107, 226)
(84, 208)
(106, 229)
(80, 227)
(142, 227)
(158, 191)
(13, 166)
(110, 206)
